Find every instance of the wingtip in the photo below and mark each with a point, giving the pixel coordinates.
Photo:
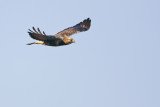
(33, 27)
(29, 31)
(89, 19)
(86, 24)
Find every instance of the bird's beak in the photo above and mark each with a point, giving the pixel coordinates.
(73, 41)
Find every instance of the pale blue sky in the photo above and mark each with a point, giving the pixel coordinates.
(114, 64)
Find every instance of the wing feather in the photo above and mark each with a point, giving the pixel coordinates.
(80, 27)
(44, 33)
(39, 31)
(39, 36)
(34, 29)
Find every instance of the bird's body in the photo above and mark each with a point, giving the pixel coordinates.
(61, 38)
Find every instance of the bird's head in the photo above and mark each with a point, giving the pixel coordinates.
(67, 40)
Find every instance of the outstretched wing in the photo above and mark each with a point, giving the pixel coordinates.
(38, 35)
(80, 27)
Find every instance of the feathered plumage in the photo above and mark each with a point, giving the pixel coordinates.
(61, 38)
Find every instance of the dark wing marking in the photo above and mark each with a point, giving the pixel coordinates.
(39, 36)
(80, 27)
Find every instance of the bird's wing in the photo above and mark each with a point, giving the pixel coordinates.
(38, 35)
(80, 27)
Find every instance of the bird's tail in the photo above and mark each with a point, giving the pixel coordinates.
(31, 43)
(37, 42)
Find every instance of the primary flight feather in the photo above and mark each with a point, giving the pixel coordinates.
(62, 37)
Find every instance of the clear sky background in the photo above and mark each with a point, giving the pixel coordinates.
(114, 64)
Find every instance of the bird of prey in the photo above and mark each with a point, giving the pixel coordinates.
(61, 38)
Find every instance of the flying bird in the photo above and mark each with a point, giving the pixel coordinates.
(62, 37)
